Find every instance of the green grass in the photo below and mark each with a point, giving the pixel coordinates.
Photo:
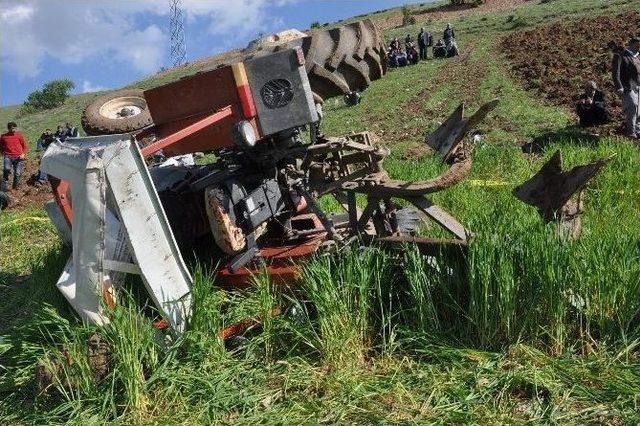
(525, 328)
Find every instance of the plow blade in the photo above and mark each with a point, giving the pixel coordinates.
(551, 188)
(446, 138)
(551, 191)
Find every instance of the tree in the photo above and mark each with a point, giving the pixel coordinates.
(315, 24)
(53, 94)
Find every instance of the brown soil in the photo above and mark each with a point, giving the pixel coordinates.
(556, 60)
(28, 194)
(449, 11)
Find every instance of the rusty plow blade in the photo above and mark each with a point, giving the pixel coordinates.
(551, 191)
(447, 141)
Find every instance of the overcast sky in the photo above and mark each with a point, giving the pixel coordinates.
(101, 44)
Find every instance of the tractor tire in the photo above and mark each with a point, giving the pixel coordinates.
(339, 60)
(116, 112)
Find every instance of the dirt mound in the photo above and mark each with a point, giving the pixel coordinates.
(29, 195)
(556, 60)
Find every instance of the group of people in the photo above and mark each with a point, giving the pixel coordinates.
(592, 108)
(399, 56)
(14, 149)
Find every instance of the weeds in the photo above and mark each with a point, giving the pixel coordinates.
(522, 328)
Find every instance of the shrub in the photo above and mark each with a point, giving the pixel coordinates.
(315, 24)
(407, 16)
(52, 95)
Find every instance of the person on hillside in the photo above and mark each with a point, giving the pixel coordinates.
(439, 49)
(13, 148)
(72, 131)
(626, 79)
(395, 44)
(449, 37)
(45, 140)
(60, 134)
(408, 39)
(448, 33)
(412, 53)
(397, 56)
(592, 106)
(424, 41)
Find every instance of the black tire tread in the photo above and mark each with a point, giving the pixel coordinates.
(95, 124)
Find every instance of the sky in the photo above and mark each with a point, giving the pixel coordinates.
(101, 44)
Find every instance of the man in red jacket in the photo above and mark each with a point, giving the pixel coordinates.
(14, 149)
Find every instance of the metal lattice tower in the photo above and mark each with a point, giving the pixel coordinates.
(178, 44)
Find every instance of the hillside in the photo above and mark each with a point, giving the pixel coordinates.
(524, 329)
(34, 124)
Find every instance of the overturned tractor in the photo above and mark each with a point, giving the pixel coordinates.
(259, 201)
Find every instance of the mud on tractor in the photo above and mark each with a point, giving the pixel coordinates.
(259, 113)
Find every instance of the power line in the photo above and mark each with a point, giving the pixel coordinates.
(178, 43)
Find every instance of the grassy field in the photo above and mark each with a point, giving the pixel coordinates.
(525, 329)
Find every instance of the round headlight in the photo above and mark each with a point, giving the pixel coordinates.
(243, 135)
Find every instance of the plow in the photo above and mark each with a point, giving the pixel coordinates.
(259, 201)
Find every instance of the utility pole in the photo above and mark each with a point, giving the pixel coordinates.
(178, 44)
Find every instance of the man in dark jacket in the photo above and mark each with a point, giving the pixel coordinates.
(449, 37)
(424, 41)
(448, 33)
(626, 79)
(592, 106)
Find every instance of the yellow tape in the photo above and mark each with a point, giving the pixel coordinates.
(483, 182)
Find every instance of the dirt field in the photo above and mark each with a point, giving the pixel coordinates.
(556, 60)
(29, 195)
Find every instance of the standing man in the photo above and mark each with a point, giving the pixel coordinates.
(449, 37)
(626, 78)
(448, 33)
(14, 149)
(423, 43)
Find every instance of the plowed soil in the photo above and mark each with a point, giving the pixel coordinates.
(556, 60)
(449, 11)
(28, 194)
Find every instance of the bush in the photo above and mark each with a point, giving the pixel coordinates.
(315, 24)
(52, 95)
(407, 16)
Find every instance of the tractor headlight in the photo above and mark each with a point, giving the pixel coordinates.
(243, 135)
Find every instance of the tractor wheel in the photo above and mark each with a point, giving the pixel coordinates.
(339, 60)
(117, 112)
